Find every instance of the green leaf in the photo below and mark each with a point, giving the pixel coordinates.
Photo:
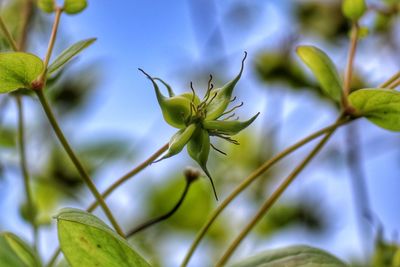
(380, 106)
(69, 54)
(294, 256)
(74, 6)
(86, 241)
(354, 9)
(18, 70)
(228, 127)
(47, 6)
(14, 252)
(323, 69)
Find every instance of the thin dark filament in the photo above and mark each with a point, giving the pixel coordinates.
(232, 109)
(218, 150)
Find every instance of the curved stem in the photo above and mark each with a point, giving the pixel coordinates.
(27, 18)
(8, 35)
(391, 80)
(350, 61)
(24, 168)
(128, 175)
(253, 176)
(272, 199)
(85, 176)
(164, 216)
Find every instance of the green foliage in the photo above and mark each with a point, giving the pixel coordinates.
(380, 106)
(14, 252)
(69, 53)
(295, 256)
(74, 6)
(47, 6)
(354, 9)
(323, 69)
(18, 70)
(87, 241)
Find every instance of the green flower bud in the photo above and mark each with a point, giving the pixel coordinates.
(47, 6)
(198, 149)
(176, 110)
(354, 9)
(74, 6)
(227, 127)
(222, 97)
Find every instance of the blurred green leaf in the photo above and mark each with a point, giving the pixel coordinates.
(86, 241)
(7, 137)
(74, 6)
(354, 9)
(323, 69)
(18, 70)
(47, 6)
(14, 252)
(380, 106)
(69, 54)
(295, 256)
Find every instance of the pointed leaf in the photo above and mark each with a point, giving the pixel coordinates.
(380, 106)
(198, 149)
(18, 70)
(14, 252)
(295, 256)
(87, 241)
(179, 140)
(222, 97)
(74, 6)
(323, 69)
(228, 127)
(47, 6)
(69, 54)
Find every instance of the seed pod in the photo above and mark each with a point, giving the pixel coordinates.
(175, 110)
(354, 9)
(179, 140)
(222, 97)
(228, 127)
(198, 149)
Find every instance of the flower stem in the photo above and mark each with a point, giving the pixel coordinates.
(8, 35)
(350, 61)
(85, 176)
(24, 168)
(253, 176)
(391, 80)
(128, 175)
(272, 199)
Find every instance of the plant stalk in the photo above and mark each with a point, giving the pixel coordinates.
(85, 176)
(272, 199)
(8, 35)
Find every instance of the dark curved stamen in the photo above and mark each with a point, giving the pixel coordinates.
(233, 99)
(218, 150)
(227, 138)
(230, 116)
(232, 109)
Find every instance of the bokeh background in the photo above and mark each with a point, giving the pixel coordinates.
(346, 201)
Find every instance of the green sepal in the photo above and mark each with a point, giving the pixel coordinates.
(323, 69)
(176, 110)
(198, 148)
(354, 9)
(169, 88)
(222, 97)
(74, 6)
(14, 252)
(178, 141)
(228, 127)
(47, 6)
(378, 105)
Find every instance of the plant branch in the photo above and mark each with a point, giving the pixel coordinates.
(391, 80)
(394, 84)
(253, 176)
(129, 175)
(350, 61)
(164, 216)
(27, 15)
(50, 47)
(8, 35)
(25, 172)
(273, 198)
(85, 176)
